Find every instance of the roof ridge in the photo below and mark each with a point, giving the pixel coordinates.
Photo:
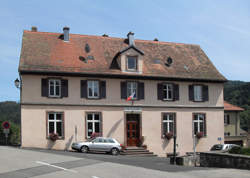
(116, 38)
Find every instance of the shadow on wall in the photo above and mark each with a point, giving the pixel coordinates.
(165, 143)
(67, 146)
(114, 127)
(50, 144)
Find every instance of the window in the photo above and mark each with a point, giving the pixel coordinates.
(131, 63)
(168, 124)
(54, 88)
(93, 124)
(55, 123)
(226, 119)
(93, 89)
(197, 93)
(132, 89)
(167, 92)
(199, 124)
(226, 133)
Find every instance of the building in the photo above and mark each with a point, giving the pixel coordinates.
(79, 84)
(233, 133)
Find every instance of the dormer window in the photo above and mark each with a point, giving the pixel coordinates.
(131, 63)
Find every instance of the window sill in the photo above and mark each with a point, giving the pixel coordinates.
(60, 138)
(168, 100)
(97, 98)
(55, 97)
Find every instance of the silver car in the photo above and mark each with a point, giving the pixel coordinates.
(223, 147)
(98, 144)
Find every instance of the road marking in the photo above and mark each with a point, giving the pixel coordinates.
(47, 164)
(94, 177)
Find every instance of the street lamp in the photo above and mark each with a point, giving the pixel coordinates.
(17, 83)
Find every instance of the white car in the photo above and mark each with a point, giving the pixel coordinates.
(98, 144)
(223, 147)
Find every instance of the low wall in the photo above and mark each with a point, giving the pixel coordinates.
(224, 160)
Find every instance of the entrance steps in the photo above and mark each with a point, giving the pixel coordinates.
(136, 151)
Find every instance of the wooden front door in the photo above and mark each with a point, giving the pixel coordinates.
(133, 129)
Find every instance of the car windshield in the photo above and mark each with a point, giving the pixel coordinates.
(217, 147)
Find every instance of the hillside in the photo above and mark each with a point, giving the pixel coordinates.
(238, 93)
(10, 111)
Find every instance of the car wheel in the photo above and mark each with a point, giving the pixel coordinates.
(84, 149)
(114, 151)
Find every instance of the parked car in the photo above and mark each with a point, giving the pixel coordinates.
(108, 145)
(223, 147)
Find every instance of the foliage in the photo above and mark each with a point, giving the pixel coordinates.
(239, 150)
(14, 135)
(169, 135)
(238, 93)
(53, 136)
(10, 111)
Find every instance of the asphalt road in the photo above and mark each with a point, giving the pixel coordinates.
(24, 163)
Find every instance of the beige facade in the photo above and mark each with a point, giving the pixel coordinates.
(113, 110)
(31, 93)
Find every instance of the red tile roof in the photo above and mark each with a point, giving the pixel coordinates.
(230, 107)
(46, 52)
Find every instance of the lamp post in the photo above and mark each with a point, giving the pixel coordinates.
(18, 85)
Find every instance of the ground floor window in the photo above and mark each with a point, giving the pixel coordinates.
(168, 124)
(55, 123)
(199, 123)
(93, 124)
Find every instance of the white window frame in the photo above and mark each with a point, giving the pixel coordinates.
(93, 121)
(91, 84)
(132, 87)
(168, 121)
(55, 121)
(136, 63)
(54, 85)
(200, 119)
(169, 87)
(198, 93)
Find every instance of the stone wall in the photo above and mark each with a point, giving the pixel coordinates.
(224, 160)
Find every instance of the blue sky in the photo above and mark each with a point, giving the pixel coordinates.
(220, 27)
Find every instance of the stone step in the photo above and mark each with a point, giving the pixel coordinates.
(138, 153)
(135, 151)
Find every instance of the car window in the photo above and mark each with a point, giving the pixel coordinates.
(217, 147)
(110, 140)
(98, 140)
(105, 140)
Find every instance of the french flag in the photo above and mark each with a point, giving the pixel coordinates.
(131, 96)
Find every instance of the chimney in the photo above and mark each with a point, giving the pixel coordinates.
(34, 29)
(66, 33)
(131, 41)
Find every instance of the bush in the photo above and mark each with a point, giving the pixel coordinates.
(239, 150)
(235, 150)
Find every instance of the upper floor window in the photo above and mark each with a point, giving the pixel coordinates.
(132, 90)
(55, 123)
(199, 123)
(132, 63)
(198, 93)
(93, 89)
(54, 88)
(226, 119)
(168, 92)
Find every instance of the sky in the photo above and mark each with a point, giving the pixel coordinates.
(220, 27)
